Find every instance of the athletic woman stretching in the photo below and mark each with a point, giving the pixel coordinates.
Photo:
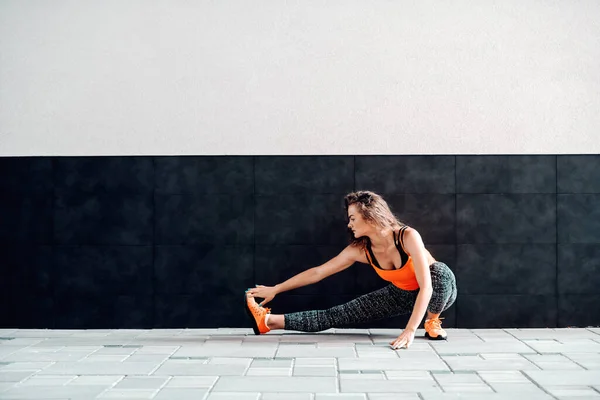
(419, 283)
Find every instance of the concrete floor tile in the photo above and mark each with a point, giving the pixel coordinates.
(476, 363)
(233, 396)
(393, 396)
(231, 360)
(191, 382)
(127, 394)
(277, 384)
(271, 363)
(14, 376)
(156, 350)
(566, 378)
(503, 377)
(141, 382)
(99, 368)
(391, 386)
(466, 388)
(309, 361)
(53, 392)
(573, 392)
(360, 376)
(192, 367)
(269, 371)
(285, 396)
(96, 380)
(233, 363)
(180, 393)
(48, 380)
(25, 366)
(147, 358)
(314, 371)
(392, 364)
(325, 352)
(516, 388)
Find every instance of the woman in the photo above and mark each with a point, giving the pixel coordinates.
(418, 283)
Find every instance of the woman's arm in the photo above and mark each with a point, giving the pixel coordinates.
(313, 275)
(415, 247)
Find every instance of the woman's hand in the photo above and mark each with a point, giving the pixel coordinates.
(404, 340)
(264, 292)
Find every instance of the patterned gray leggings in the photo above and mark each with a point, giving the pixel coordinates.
(386, 302)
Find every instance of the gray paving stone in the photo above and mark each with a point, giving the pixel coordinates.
(565, 378)
(274, 363)
(475, 363)
(181, 393)
(231, 363)
(6, 385)
(478, 396)
(14, 376)
(191, 381)
(517, 388)
(233, 396)
(391, 386)
(444, 379)
(127, 394)
(393, 396)
(586, 360)
(467, 388)
(392, 364)
(191, 367)
(230, 360)
(277, 383)
(147, 358)
(47, 380)
(157, 350)
(285, 396)
(141, 382)
(46, 356)
(572, 392)
(53, 392)
(358, 375)
(270, 371)
(503, 377)
(451, 347)
(410, 376)
(227, 351)
(326, 352)
(314, 371)
(558, 333)
(308, 361)
(25, 366)
(96, 380)
(552, 346)
(105, 358)
(99, 368)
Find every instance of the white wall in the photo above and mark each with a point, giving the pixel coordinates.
(264, 77)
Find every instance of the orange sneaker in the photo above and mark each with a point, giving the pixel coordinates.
(433, 329)
(258, 314)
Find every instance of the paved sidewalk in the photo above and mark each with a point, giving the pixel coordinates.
(341, 364)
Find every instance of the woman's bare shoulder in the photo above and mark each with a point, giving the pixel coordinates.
(356, 252)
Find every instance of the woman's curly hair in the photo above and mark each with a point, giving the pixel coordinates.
(373, 208)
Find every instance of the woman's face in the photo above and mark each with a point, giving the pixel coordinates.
(356, 222)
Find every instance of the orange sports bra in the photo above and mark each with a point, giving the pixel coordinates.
(403, 277)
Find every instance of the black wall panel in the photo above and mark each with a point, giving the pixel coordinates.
(169, 242)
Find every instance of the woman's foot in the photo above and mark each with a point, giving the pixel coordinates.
(433, 329)
(258, 315)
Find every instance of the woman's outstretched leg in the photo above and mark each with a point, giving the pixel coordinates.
(386, 302)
